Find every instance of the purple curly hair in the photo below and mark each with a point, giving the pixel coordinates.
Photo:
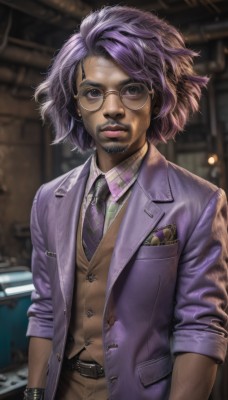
(147, 49)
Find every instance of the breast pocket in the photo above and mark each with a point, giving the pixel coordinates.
(158, 252)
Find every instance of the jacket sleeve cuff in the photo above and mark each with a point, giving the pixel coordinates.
(205, 343)
(34, 329)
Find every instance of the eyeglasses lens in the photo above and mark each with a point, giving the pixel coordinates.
(134, 95)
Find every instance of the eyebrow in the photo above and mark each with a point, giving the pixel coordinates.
(87, 82)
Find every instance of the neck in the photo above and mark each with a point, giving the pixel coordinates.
(106, 161)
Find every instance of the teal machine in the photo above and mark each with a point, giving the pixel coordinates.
(15, 293)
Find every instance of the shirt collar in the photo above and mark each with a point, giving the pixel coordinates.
(120, 177)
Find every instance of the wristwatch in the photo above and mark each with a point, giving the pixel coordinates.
(33, 394)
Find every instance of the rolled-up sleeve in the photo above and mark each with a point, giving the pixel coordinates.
(40, 312)
(201, 294)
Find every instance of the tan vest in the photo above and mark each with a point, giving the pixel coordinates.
(89, 295)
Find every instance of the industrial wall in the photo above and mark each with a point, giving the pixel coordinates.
(30, 34)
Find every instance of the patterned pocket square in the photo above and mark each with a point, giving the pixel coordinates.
(162, 236)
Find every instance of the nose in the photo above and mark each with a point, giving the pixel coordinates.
(113, 106)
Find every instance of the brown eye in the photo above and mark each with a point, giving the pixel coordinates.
(133, 90)
(92, 93)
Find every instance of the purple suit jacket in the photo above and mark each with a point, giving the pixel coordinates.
(165, 299)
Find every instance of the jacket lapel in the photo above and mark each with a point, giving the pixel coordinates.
(142, 216)
(69, 197)
(143, 212)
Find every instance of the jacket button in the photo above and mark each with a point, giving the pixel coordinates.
(91, 277)
(112, 346)
(58, 356)
(89, 313)
(113, 379)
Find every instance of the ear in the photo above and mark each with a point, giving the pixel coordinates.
(77, 109)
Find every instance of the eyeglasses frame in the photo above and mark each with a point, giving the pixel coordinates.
(117, 92)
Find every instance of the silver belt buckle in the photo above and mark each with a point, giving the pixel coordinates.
(90, 370)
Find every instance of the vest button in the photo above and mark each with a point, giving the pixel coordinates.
(89, 313)
(87, 343)
(91, 277)
(58, 356)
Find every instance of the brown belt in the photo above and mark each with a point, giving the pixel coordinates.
(85, 368)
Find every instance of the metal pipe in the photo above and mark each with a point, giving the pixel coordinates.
(207, 32)
(75, 8)
(215, 66)
(26, 57)
(51, 14)
(215, 131)
(21, 78)
(179, 5)
(209, 4)
(38, 11)
(212, 109)
(30, 45)
(5, 37)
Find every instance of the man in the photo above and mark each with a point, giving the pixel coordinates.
(130, 250)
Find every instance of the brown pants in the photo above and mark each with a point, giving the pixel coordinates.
(73, 386)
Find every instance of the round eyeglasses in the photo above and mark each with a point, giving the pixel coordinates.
(132, 96)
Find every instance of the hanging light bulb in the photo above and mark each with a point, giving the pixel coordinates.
(212, 159)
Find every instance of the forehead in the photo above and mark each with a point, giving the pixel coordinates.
(101, 70)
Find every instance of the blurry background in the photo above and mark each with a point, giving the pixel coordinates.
(31, 32)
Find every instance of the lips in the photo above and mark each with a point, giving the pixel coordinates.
(113, 128)
(113, 131)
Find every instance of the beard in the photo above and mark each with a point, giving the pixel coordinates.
(115, 149)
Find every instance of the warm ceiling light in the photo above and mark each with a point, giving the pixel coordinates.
(212, 159)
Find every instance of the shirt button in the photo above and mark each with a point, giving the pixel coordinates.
(91, 277)
(89, 313)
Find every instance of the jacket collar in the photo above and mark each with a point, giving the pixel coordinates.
(153, 177)
(72, 178)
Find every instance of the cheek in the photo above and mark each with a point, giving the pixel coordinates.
(89, 123)
(143, 119)
(147, 117)
(146, 121)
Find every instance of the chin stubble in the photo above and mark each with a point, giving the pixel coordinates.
(115, 149)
